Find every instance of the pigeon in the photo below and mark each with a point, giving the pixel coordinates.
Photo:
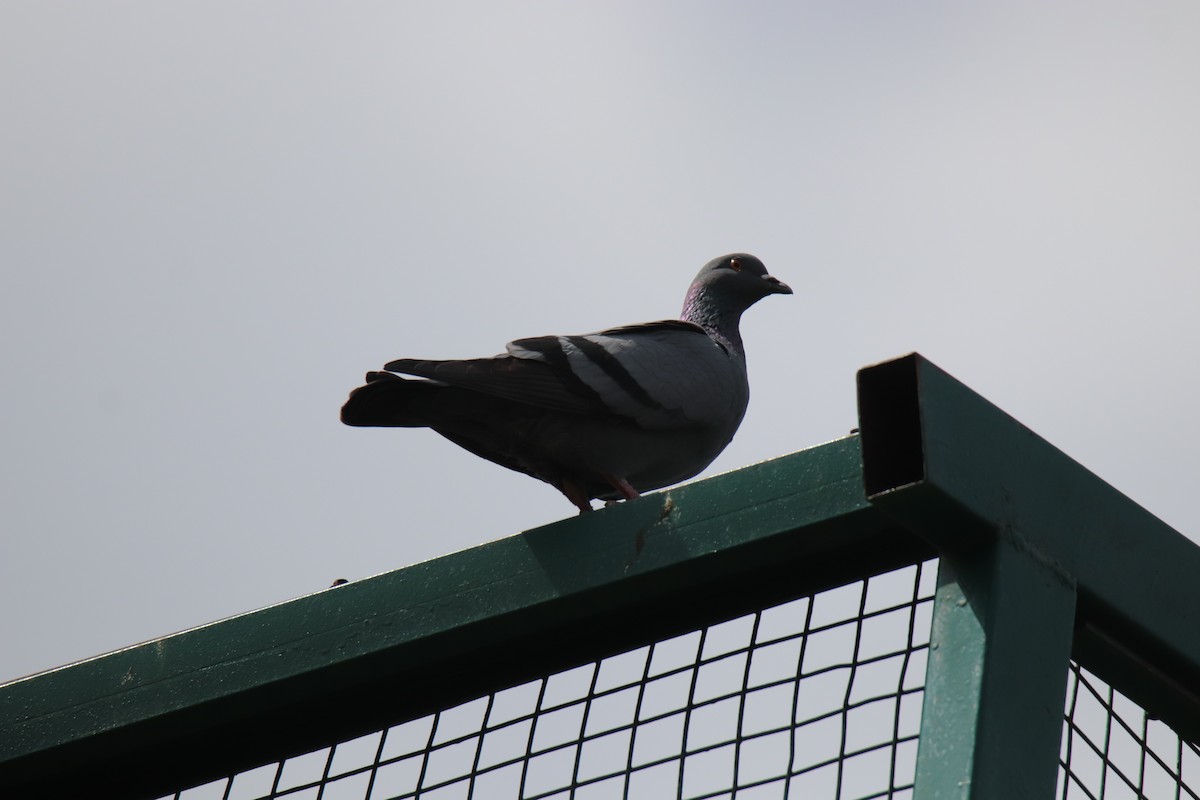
(605, 415)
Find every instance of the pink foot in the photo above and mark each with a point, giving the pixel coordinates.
(622, 486)
(576, 496)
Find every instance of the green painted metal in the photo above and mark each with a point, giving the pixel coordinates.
(1032, 544)
(330, 666)
(996, 681)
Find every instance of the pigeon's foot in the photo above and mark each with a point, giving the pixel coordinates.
(576, 496)
(622, 486)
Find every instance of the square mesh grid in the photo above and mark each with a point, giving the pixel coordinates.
(1112, 749)
(815, 698)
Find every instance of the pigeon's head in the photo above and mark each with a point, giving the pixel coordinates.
(738, 279)
(725, 288)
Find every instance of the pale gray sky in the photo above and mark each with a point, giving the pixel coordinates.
(217, 216)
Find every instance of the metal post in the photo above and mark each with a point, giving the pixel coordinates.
(996, 681)
(1004, 612)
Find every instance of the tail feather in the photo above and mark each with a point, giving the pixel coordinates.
(388, 401)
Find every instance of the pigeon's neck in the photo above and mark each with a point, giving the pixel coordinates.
(719, 320)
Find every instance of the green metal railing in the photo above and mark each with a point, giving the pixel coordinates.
(812, 696)
(772, 632)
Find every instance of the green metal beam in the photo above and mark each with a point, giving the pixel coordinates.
(996, 681)
(1032, 544)
(175, 712)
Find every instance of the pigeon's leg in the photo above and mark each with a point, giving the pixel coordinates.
(622, 486)
(576, 496)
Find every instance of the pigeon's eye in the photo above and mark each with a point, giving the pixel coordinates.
(735, 265)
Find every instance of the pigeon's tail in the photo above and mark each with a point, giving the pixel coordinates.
(389, 401)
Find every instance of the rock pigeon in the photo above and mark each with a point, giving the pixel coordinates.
(603, 415)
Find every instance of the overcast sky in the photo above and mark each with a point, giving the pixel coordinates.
(217, 216)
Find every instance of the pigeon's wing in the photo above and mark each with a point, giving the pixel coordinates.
(667, 374)
(522, 380)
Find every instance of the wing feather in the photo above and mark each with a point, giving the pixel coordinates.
(521, 380)
(662, 375)
(668, 374)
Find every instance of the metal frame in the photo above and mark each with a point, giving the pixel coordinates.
(1040, 559)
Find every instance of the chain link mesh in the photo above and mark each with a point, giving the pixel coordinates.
(818, 697)
(1112, 749)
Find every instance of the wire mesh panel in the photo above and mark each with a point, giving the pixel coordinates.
(818, 697)
(1111, 748)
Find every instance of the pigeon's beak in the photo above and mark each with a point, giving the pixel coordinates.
(777, 286)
